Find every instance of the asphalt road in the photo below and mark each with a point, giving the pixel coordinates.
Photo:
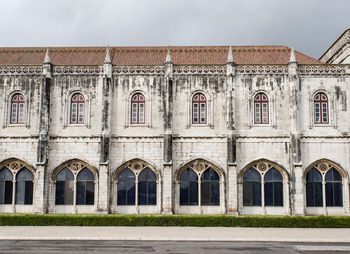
(87, 246)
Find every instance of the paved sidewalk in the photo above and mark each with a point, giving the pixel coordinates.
(175, 234)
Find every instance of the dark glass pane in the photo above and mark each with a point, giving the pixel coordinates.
(318, 194)
(25, 175)
(28, 193)
(256, 194)
(126, 193)
(215, 193)
(85, 175)
(5, 174)
(122, 193)
(8, 192)
(20, 190)
(334, 195)
(130, 193)
(60, 188)
(273, 175)
(310, 194)
(205, 193)
(184, 193)
(80, 199)
(147, 175)
(90, 187)
(268, 194)
(210, 174)
(278, 193)
(64, 175)
(333, 175)
(126, 175)
(313, 176)
(142, 193)
(2, 192)
(188, 175)
(152, 193)
(69, 193)
(252, 175)
(251, 193)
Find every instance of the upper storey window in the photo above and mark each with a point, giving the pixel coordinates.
(77, 109)
(138, 109)
(199, 109)
(321, 108)
(261, 109)
(17, 109)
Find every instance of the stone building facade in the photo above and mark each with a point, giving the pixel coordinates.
(203, 130)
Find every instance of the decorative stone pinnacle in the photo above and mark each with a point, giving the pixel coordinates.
(230, 56)
(108, 56)
(292, 56)
(168, 56)
(47, 57)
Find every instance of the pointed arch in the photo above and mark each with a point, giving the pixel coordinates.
(136, 165)
(15, 165)
(323, 165)
(75, 165)
(199, 165)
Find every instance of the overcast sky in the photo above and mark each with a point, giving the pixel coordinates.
(311, 26)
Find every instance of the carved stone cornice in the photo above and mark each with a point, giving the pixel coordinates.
(262, 69)
(199, 69)
(138, 69)
(21, 70)
(321, 69)
(80, 70)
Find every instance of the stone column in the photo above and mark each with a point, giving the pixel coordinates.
(296, 175)
(104, 180)
(41, 188)
(231, 176)
(167, 182)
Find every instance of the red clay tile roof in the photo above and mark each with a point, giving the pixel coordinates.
(152, 55)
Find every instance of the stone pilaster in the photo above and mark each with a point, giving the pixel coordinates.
(168, 185)
(297, 186)
(104, 181)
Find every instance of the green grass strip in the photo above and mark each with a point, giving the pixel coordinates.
(175, 220)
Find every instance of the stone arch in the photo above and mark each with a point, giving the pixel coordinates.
(15, 165)
(262, 166)
(199, 165)
(74, 165)
(323, 165)
(135, 165)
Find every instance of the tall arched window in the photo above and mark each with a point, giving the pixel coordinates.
(210, 187)
(324, 173)
(138, 109)
(273, 188)
(321, 108)
(24, 187)
(251, 188)
(199, 108)
(261, 109)
(77, 109)
(126, 187)
(85, 187)
(136, 184)
(64, 187)
(17, 109)
(207, 189)
(188, 187)
(147, 187)
(6, 183)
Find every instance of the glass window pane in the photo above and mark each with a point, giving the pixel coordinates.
(81, 113)
(20, 112)
(85, 175)
(189, 175)
(126, 188)
(134, 112)
(215, 193)
(257, 113)
(264, 113)
(65, 175)
(5, 174)
(205, 193)
(147, 175)
(278, 193)
(28, 193)
(188, 193)
(20, 192)
(202, 113)
(317, 112)
(251, 193)
(152, 193)
(195, 112)
(60, 189)
(90, 187)
(252, 175)
(142, 195)
(268, 194)
(80, 197)
(142, 112)
(14, 113)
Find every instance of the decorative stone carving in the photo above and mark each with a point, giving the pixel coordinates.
(21, 70)
(262, 69)
(138, 69)
(200, 69)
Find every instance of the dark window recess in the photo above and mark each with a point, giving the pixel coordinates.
(147, 187)
(126, 187)
(314, 188)
(64, 187)
(273, 188)
(188, 187)
(85, 187)
(334, 190)
(251, 188)
(24, 187)
(210, 188)
(6, 179)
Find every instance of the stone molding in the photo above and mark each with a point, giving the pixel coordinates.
(329, 55)
(21, 70)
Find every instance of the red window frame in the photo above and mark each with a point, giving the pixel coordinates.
(260, 100)
(77, 101)
(17, 101)
(200, 102)
(320, 100)
(138, 109)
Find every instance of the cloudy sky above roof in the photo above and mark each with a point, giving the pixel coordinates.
(310, 26)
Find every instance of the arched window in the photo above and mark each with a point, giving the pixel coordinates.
(210, 187)
(138, 109)
(147, 187)
(314, 188)
(273, 184)
(24, 187)
(126, 187)
(64, 187)
(6, 183)
(77, 109)
(188, 187)
(261, 109)
(17, 109)
(199, 180)
(85, 187)
(334, 190)
(251, 188)
(199, 108)
(321, 108)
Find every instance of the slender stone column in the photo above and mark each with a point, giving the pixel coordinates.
(167, 181)
(231, 177)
